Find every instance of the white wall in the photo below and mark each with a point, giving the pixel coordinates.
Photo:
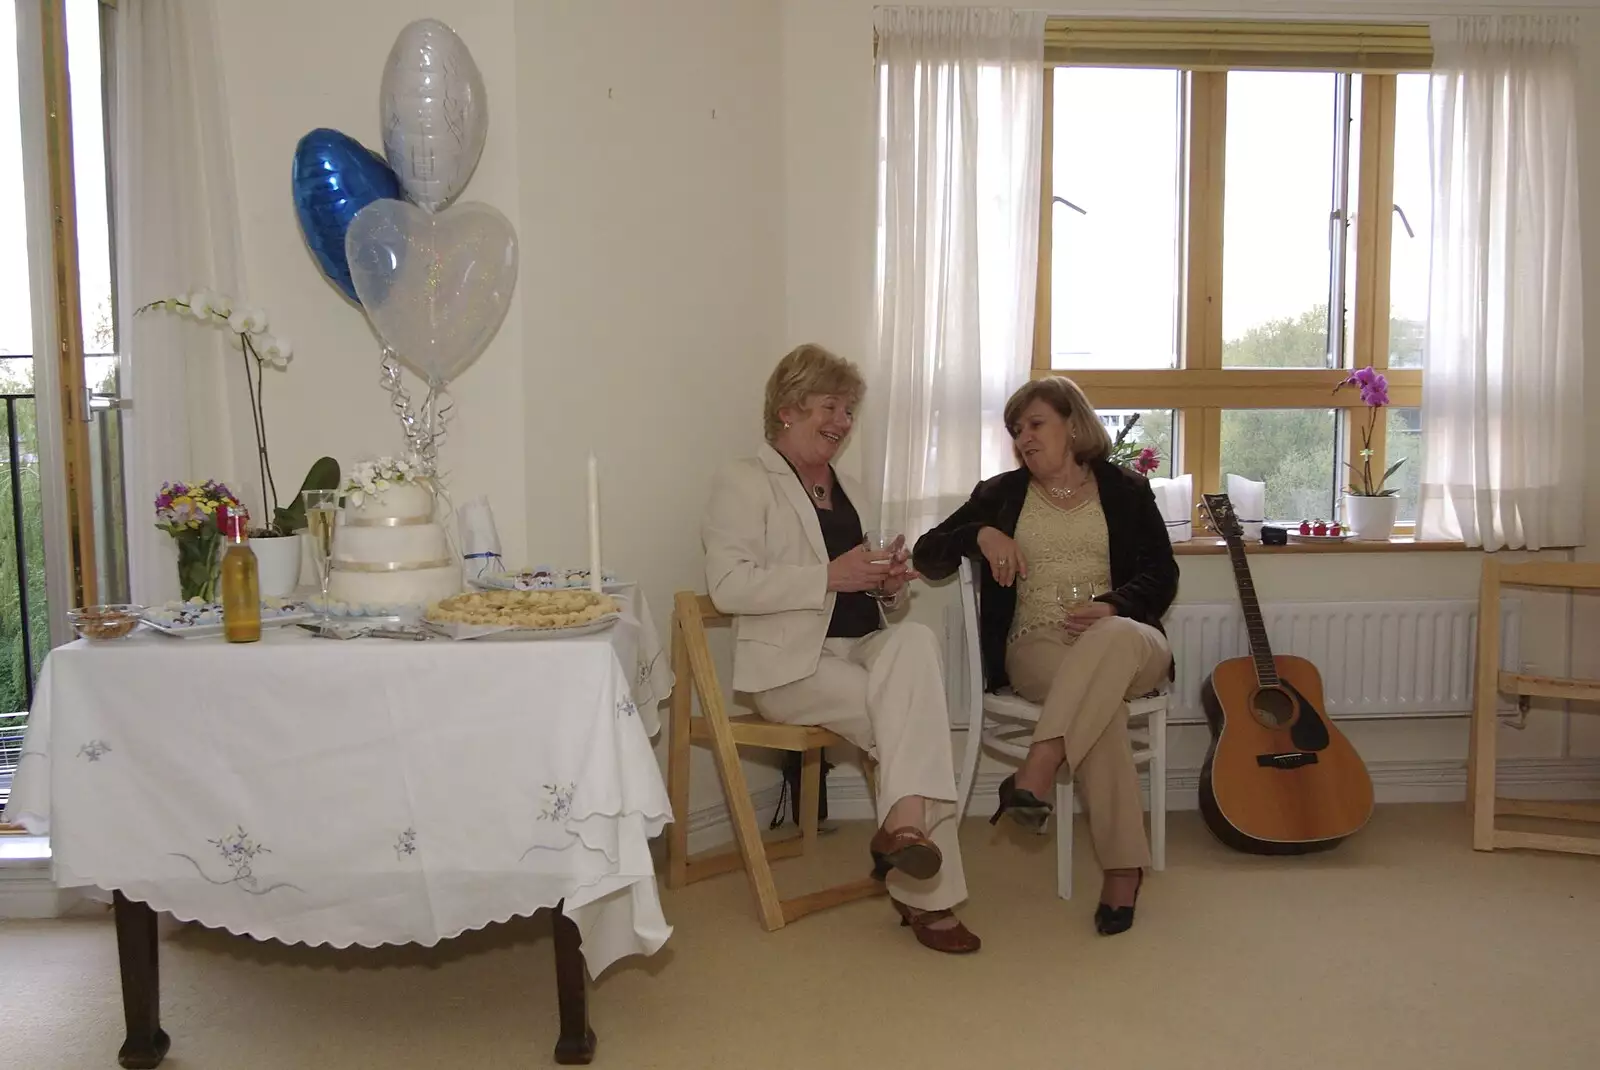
(692, 187)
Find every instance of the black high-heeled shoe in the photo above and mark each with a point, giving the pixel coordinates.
(1110, 920)
(1027, 809)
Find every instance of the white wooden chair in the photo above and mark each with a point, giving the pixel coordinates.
(1004, 723)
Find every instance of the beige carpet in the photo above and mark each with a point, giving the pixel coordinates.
(1403, 948)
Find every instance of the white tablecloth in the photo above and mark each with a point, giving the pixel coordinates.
(364, 791)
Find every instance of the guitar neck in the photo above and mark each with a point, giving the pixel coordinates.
(1260, 649)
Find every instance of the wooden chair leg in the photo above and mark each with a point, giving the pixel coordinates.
(810, 796)
(1481, 789)
(679, 749)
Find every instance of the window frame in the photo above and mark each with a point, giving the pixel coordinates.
(1201, 388)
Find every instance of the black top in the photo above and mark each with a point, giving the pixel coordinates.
(855, 613)
(1144, 572)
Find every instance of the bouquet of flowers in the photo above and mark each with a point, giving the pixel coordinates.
(189, 513)
(1142, 459)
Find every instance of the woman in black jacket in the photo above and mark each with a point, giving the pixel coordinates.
(1078, 570)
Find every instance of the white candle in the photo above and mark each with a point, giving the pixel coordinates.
(594, 526)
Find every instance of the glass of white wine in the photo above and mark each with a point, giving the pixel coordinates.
(1063, 599)
(322, 509)
(882, 546)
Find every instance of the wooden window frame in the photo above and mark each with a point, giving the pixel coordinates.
(1201, 388)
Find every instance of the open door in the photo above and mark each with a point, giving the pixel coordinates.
(62, 516)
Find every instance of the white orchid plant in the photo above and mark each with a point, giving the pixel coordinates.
(247, 331)
(372, 478)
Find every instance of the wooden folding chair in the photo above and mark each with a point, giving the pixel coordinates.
(1492, 681)
(692, 665)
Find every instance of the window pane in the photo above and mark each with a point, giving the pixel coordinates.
(1155, 428)
(1408, 264)
(89, 175)
(1114, 264)
(1405, 441)
(1280, 191)
(1295, 451)
(16, 315)
(1352, 194)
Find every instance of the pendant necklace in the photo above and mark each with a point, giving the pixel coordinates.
(1063, 493)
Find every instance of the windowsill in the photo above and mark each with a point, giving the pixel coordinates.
(1396, 544)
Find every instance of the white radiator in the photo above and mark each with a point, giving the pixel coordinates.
(1391, 658)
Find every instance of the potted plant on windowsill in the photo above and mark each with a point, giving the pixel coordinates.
(1369, 506)
(277, 543)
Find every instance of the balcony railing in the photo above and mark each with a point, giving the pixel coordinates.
(24, 616)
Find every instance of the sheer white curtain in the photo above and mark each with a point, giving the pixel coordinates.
(1502, 386)
(177, 230)
(961, 109)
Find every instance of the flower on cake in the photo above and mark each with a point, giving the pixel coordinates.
(372, 478)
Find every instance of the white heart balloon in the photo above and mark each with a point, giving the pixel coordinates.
(435, 112)
(435, 286)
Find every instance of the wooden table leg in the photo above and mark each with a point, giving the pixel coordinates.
(576, 1044)
(146, 1045)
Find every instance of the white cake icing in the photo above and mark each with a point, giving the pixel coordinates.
(392, 527)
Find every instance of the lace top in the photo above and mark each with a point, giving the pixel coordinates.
(1069, 561)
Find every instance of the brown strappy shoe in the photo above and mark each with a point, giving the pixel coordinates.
(956, 939)
(904, 849)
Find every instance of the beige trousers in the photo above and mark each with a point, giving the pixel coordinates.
(1084, 687)
(884, 692)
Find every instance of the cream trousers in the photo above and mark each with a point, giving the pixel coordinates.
(1084, 687)
(884, 692)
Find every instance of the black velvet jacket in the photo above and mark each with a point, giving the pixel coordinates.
(1144, 573)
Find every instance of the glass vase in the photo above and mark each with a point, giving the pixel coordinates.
(199, 565)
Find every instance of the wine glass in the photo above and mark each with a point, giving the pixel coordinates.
(882, 545)
(322, 509)
(1064, 598)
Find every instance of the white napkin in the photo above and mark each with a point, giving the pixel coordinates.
(1175, 499)
(480, 541)
(1249, 500)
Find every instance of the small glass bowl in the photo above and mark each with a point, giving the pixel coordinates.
(101, 623)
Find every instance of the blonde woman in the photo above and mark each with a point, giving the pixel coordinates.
(785, 557)
(1077, 572)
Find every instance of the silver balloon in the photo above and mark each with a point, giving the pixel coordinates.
(435, 113)
(436, 287)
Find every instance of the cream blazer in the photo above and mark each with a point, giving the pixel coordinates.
(767, 567)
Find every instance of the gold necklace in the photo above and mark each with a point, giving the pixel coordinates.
(1064, 493)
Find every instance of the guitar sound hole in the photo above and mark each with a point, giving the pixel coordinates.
(1273, 708)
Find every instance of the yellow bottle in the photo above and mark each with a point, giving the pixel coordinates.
(241, 583)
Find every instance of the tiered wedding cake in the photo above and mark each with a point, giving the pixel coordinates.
(388, 552)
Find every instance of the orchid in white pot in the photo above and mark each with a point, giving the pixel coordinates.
(1370, 507)
(278, 548)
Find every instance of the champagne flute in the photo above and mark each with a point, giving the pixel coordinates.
(322, 509)
(881, 545)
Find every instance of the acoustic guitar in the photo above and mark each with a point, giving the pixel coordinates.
(1279, 777)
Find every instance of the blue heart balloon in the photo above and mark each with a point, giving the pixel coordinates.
(335, 176)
